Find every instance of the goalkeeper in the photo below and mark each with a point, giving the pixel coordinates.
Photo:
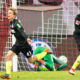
(21, 44)
(48, 61)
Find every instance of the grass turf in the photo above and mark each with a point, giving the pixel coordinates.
(57, 75)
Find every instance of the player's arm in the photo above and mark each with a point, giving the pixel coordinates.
(38, 55)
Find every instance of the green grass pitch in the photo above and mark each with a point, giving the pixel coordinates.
(56, 75)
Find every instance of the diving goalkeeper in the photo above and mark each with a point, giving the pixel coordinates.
(47, 63)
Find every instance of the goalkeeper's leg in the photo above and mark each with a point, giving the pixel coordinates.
(75, 65)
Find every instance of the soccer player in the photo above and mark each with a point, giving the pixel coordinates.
(48, 61)
(77, 39)
(21, 44)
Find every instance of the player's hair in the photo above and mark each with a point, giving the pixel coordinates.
(15, 12)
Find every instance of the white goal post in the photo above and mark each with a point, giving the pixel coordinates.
(15, 59)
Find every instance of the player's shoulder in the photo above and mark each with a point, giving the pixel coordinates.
(15, 20)
(18, 23)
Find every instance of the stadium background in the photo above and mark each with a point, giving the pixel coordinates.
(49, 22)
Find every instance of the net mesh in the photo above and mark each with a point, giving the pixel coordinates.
(55, 24)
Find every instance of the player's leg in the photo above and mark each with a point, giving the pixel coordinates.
(41, 55)
(27, 51)
(37, 57)
(77, 62)
(14, 50)
(9, 57)
(75, 65)
(60, 62)
(8, 65)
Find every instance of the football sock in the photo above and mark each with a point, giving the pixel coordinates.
(41, 55)
(8, 67)
(76, 63)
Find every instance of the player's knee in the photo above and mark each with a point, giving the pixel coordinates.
(9, 55)
(32, 59)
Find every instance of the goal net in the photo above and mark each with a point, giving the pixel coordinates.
(44, 23)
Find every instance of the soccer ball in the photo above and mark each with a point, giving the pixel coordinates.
(63, 58)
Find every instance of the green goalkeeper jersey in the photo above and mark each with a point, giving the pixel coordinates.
(48, 58)
(40, 50)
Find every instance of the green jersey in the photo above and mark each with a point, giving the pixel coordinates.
(48, 58)
(40, 50)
